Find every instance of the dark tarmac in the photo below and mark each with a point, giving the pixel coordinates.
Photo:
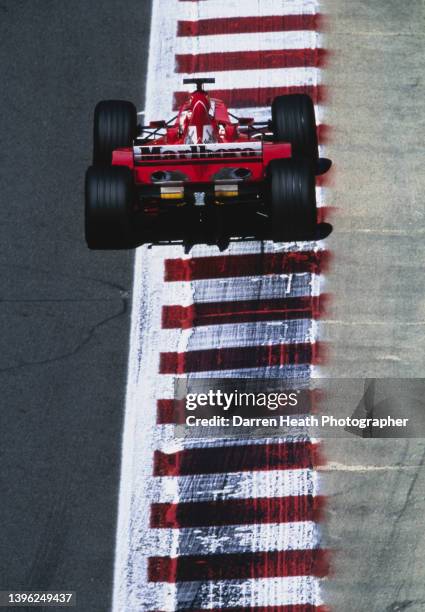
(64, 310)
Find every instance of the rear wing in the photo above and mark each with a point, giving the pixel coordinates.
(199, 81)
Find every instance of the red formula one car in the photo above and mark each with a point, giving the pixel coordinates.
(204, 176)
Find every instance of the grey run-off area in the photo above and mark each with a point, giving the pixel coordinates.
(376, 325)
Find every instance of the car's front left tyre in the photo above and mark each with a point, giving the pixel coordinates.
(109, 200)
(115, 126)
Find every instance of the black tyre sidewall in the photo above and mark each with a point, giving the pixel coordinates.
(292, 199)
(115, 125)
(109, 196)
(294, 121)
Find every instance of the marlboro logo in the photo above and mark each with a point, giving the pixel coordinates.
(200, 151)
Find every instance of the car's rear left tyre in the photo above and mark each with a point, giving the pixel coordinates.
(109, 198)
(293, 120)
(115, 126)
(291, 198)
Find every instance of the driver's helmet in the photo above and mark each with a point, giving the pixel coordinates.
(197, 120)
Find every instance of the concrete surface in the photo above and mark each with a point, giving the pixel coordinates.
(64, 311)
(376, 325)
(375, 525)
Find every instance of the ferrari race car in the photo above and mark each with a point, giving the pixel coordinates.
(204, 176)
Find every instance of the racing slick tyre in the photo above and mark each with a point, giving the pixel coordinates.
(115, 125)
(292, 199)
(109, 194)
(293, 121)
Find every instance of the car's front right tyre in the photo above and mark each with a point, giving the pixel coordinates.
(293, 120)
(291, 199)
(109, 199)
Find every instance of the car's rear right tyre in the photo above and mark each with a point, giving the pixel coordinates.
(291, 199)
(109, 199)
(115, 126)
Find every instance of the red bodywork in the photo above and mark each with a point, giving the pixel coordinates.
(199, 145)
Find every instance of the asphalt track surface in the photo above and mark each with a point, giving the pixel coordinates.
(64, 310)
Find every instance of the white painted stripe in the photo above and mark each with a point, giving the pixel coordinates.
(213, 9)
(235, 485)
(229, 539)
(168, 442)
(268, 287)
(296, 373)
(172, 438)
(255, 41)
(161, 64)
(134, 474)
(322, 197)
(232, 593)
(240, 79)
(261, 333)
(252, 247)
(293, 373)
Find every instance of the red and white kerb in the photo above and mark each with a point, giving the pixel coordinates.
(224, 523)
